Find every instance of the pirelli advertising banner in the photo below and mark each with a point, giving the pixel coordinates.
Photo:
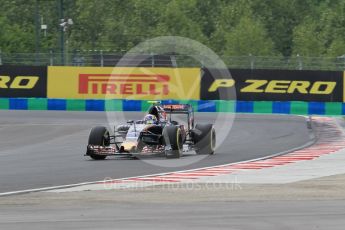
(23, 81)
(272, 85)
(123, 83)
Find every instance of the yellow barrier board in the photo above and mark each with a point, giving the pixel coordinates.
(137, 83)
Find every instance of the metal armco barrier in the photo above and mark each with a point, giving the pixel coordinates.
(271, 107)
(272, 85)
(23, 81)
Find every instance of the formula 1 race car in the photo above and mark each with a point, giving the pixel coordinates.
(155, 134)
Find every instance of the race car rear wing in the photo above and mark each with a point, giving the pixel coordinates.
(178, 108)
(181, 109)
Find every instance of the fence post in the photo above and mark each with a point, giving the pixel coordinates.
(51, 58)
(173, 61)
(341, 58)
(102, 60)
(152, 59)
(251, 61)
(300, 63)
(202, 64)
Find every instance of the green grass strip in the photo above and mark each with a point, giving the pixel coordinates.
(113, 105)
(262, 107)
(75, 104)
(37, 104)
(333, 108)
(145, 105)
(299, 107)
(4, 103)
(225, 106)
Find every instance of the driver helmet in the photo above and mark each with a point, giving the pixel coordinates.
(150, 119)
(163, 116)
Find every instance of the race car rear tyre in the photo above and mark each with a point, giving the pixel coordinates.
(204, 139)
(173, 138)
(99, 136)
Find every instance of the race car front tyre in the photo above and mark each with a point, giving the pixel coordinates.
(173, 141)
(99, 136)
(204, 139)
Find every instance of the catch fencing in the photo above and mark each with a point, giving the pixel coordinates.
(110, 59)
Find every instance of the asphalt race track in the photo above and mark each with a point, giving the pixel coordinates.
(45, 148)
